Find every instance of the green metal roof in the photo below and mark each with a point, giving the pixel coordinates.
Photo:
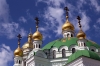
(86, 53)
(68, 42)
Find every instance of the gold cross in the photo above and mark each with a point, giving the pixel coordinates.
(19, 38)
(78, 17)
(66, 9)
(37, 21)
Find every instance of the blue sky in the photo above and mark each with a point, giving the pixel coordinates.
(17, 16)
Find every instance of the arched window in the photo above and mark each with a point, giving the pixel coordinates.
(92, 50)
(84, 44)
(54, 53)
(63, 53)
(73, 50)
(71, 35)
(19, 61)
(39, 45)
(68, 35)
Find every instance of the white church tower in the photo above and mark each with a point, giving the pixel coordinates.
(81, 37)
(67, 28)
(18, 59)
(37, 38)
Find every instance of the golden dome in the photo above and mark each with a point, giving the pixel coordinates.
(81, 35)
(68, 26)
(27, 45)
(18, 52)
(37, 36)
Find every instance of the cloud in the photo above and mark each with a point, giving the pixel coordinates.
(85, 21)
(98, 20)
(6, 55)
(96, 27)
(7, 26)
(22, 19)
(95, 4)
(56, 3)
(11, 30)
(54, 16)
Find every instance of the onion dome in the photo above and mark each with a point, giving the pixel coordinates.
(18, 51)
(67, 25)
(28, 44)
(81, 34)
(37, 35)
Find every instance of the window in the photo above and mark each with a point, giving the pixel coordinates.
(34, 46)
(73, 50)
(68, 35)
(92, 50)
(84, 44)
(54, 53)
(71, 35)
(39, 45)
(19, 61)
(63, 53)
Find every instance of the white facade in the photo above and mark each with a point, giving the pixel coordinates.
(84, 61)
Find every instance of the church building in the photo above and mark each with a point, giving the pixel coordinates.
(70, 50)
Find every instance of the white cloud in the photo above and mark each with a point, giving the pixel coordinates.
(85, 21)
(23, 32)
(7, 27)
(6, 55)
(80, 3)
(22, 19)
(4, 11)
(55, 18)
(95, 4)
(96, 27)
(11, 30)
(98, 20)
(56, 3)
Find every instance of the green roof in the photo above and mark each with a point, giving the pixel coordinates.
(86, 53)
(68, 42)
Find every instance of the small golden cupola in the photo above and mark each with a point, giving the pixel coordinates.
(81, 34)
(37, 35)
(28, 44)
(67, 25)
(18, 51)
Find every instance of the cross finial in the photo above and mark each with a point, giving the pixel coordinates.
(66, 9)
(78, 17)
(19, 38)
(37, 21)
